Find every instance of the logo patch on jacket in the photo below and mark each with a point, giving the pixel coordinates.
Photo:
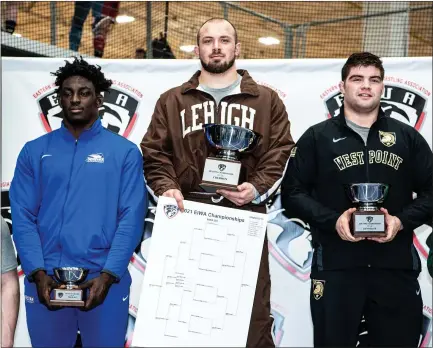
(387, 138)
(293, 152)
(318, 288)
(170, 210)
(95, 158)
(29, 299)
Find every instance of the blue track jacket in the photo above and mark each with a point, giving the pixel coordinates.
(78, 203)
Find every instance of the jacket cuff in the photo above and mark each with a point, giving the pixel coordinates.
(256, 199)
(404, 221)
(116, 277)
(332, 221)
(32, 273)
(160, 191)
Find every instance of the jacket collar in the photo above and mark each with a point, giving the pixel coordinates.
(248, 85)
(85, 134)
(342, 118)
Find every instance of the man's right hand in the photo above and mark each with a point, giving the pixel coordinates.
(177, 195)
(343, 227)
(44, 285)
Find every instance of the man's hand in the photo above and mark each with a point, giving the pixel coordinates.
(343, 226)
(98, 290)
(393, 225)
(44, 285)
(177, 195)
(245, 194)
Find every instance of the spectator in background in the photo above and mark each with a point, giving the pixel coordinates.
(11, 12)
(110, 11)
(161, 48)
(140, 53)
(81, 11)
(10, 289)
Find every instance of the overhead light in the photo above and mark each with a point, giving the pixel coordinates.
(268, 41)
(17, 35)
(124, 19)
(187, 48)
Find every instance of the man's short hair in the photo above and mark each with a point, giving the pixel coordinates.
(216, 19)
(362, 59)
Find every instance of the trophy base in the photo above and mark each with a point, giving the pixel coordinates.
(368, 224)
(220, 174)
(61, 303)
(212, 187)
(67, 298)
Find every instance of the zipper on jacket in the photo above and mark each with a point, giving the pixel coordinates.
(66, 199)
(367, 162)
(367, 159)
(211, 99)
(217, 106)
(365, 151)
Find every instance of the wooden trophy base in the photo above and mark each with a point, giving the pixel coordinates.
(61, 303)
(368, 224)
(212, 187)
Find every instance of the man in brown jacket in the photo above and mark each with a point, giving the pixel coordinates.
(175, 150)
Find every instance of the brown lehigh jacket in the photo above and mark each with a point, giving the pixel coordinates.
(174, 146)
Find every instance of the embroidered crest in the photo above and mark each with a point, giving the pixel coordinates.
(387, 138)
(318, 288)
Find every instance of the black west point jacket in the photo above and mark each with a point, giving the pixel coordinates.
(330, 155)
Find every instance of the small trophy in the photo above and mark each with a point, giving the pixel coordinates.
(223, 171)
(70, 295)
(368, 220)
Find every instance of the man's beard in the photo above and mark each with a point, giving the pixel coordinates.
(217, 68)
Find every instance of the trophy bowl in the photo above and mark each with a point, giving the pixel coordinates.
(368, 220)
(70, 276)
(230, 140)
(368, 194)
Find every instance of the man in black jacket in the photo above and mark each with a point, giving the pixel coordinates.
(374, 277)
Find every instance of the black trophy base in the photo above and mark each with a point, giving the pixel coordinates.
(368, 224)
(212, 187)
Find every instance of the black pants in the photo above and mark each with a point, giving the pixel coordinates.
(389, 300)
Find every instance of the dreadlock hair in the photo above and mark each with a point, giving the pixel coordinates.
(79, 67)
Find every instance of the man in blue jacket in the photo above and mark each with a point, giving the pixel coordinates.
(78, 199)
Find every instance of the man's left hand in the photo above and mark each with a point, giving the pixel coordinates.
(245, 194)
(98, 290)
(393, 225)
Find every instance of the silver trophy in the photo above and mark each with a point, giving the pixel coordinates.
(368, 220)
(69, 295)
(223, 170)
